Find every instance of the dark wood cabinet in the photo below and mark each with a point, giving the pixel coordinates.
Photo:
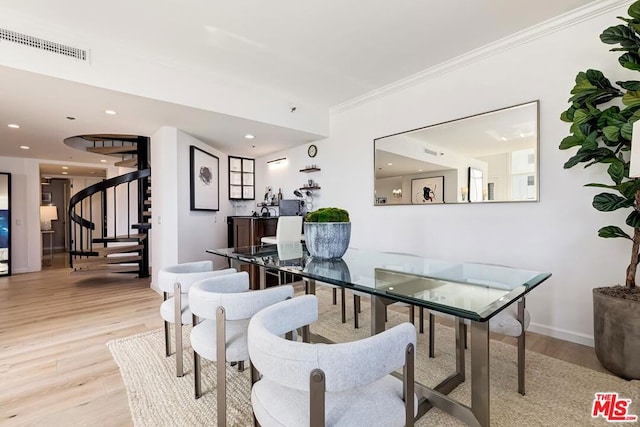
(247, 231)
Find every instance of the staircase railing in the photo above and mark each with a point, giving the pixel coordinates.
(96, 214)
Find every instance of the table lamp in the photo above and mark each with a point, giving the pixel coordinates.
(47, 214)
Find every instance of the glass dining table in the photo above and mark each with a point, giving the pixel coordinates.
(468, 291)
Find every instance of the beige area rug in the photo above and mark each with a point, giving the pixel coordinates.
(558, 393)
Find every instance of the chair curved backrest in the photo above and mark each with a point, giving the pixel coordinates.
(289, 229)
(346, 365)
(231, 291)
(186, 274)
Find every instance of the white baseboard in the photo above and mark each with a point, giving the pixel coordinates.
(155, 288)
(562, 334)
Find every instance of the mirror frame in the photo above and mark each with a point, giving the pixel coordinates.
(8, 261)
(381, 200)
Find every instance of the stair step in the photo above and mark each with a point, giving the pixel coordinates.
(106, 268)
(122, 238)
(102, 251)
(142, 226)
(106, 260)
(146, 214)
(148, 191)
(113, 150)
(128, 163)
(147, 203)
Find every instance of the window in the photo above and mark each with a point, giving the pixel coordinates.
(241, 178)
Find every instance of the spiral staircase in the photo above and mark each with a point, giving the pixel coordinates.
(109, 222)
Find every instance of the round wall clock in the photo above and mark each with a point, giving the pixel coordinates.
(312, 151)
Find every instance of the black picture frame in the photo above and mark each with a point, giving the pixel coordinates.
(427, 191)
(205, 180)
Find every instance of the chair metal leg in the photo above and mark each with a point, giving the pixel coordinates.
(197, 380)
(356, 303)
(255, 376)
(465, 337)
(412, 314)
(421, 315)
(167, 336)
(306, 334)
(177, 297)
(344, 305)
(432, 336)
(241, 366)
(221, 366)
(335, 296)
(316, 398)
(409, 385)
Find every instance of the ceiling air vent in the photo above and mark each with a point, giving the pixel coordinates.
(433, 153)
(60, 49)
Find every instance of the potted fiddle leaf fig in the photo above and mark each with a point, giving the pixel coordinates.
(327, 232)
(602, 115)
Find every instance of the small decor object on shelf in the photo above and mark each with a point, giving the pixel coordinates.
(312, 150)
(327, 232)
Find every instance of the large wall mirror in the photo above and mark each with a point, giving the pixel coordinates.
(489, 157)
(5, 224)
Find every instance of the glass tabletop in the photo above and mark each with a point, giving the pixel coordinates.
(470, 290)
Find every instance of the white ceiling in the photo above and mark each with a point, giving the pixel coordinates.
(319, 53)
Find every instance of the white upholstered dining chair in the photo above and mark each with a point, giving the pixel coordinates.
(221, 308)
(176, 280)
(288, 229)
(344, 384)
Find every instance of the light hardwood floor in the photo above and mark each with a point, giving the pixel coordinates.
(55, 369)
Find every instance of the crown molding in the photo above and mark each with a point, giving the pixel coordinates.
(550, 26)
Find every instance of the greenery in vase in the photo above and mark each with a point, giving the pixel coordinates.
(328, 215)
(602, 116)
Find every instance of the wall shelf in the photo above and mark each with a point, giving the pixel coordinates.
(309, 188)
(307, 170)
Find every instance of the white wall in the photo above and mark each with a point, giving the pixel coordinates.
(558, 234)
(178, 234)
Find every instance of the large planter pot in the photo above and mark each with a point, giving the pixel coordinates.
(616, 334)
(327, 240)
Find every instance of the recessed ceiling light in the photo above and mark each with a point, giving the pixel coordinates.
(249, 136)
(65, 167)
(103, 160)
(25, 147)
(65, 173)
(389, 164)
(110, 112)
(13, 126)
(419, 170)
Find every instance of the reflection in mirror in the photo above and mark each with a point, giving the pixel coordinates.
(477, 193)
(489, 157)
(5, 224)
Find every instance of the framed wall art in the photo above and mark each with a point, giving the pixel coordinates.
(427, 191)
(46, 198)
(205, 179)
